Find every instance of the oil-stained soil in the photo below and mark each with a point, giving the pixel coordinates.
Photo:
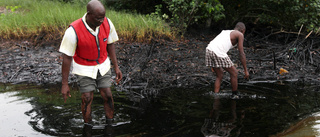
(161, 64)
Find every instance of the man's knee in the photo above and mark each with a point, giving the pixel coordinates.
(232, 71)
(219, 72)
(219, 76)
(86, 98)
(234, 74)
(106, 92)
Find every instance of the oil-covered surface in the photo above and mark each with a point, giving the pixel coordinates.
(264, 109)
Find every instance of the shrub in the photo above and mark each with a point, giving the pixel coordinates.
(283, 14)
(183, 13)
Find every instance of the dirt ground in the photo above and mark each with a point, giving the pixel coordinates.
(161, 64)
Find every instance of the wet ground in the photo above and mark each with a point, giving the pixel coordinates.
(263, 109)
(162, 64)
(167, 90)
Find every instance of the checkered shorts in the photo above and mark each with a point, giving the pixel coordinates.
(214, 61)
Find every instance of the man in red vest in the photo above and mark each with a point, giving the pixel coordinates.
(88, 44)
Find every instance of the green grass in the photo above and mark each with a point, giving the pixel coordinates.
(136, 26)
(29, 18)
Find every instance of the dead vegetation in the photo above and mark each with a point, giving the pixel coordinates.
(162, 64)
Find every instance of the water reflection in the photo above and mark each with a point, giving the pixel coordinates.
(308, 127)
(222, 123)
(88, 129)
(13, 120)
(264, 109)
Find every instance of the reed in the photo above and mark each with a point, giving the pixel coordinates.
(137, 27)
(48, 19)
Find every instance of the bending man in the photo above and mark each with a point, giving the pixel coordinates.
(217, 58)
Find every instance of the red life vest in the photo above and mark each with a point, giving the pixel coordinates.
(90, 50)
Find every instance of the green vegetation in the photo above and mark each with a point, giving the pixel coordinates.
(30, 18)
(184, 13)
(137, 27)
(48, 19)
(35, 16)
(288, 15)
(284, 15)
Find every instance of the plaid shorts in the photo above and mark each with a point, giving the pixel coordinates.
(214, 61)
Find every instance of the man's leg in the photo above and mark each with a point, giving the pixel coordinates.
(87, 98)
(108, 102)
(233, 77)
(219, 76)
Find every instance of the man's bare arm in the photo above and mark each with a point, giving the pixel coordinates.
(113, 57)
(242, 55)
(66, 63)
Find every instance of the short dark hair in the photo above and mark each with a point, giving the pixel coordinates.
(240, 26)
(94, 4)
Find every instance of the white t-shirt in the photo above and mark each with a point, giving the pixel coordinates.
(221, 44)
(69, 44)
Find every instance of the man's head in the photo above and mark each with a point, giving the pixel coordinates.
(95, 13)
(240, 27)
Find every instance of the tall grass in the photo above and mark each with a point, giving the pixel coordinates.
(138, 27)
(51, 18)
(36, 16)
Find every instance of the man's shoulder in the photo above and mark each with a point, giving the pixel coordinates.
(236, 33)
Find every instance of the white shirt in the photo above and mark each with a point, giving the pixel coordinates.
(69, 44)
(221, 44)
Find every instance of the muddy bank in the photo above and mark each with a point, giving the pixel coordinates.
(164, 64)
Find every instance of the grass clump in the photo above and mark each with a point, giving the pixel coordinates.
(137, 27)
(47, 20)
(36, 16)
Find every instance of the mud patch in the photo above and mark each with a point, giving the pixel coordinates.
(163, 64)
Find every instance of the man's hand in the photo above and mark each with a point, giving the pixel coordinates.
(246, 75)
(119, 75)
(65, 92)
